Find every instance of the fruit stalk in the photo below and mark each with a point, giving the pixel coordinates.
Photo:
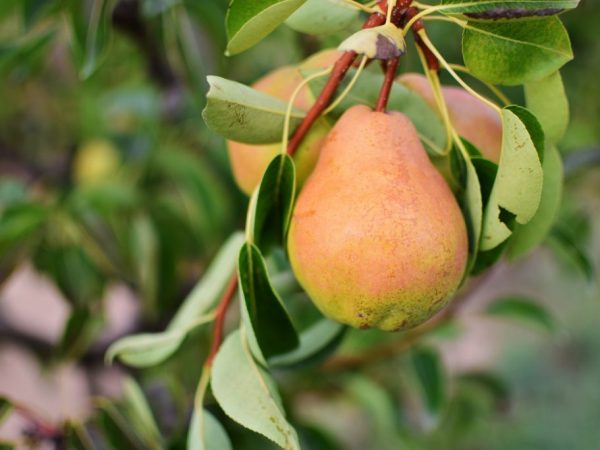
(339, 71)
(390, 75)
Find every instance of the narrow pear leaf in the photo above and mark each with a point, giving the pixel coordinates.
(315, 341)
(547, 100)
(77, 437)
(490, 382)
(148, 349)
(526, 237)
(523, 309)
(320, 17)
(117, 430)
(271, 324)
(430, 373)
(507, 9)
(5, 408)
(139, 415)
(517, 189)
(206, 433)
(98, 35)
(383, 42)
(273, 207)
(250, 21)
(366, 92)
(567, 246)
(247, 393)
(81, 330)
(516, 52)
(240, 113)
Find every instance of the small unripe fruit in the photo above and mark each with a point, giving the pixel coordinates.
(96, 161)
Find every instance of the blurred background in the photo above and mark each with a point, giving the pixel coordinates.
(114, 196)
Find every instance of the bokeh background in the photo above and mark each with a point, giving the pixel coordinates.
(114, 196)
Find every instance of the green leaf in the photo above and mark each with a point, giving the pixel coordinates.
(490, 382)
(97, 37)
(247, 393)
(523, 309)
(526, 237)
(83, 327)
(429, 369)
(19, 224)
(77, 438)
(7, 445)
(139, 415)
(366, 92)
(240, 113)
(506, 9)
(563, 242)
(149, 349)
(118, 432)
(250, 21)
(273, 206)
(34, 9)
(547, 100)
(518, 186)
(207, 434)
(271, 324)
(516, 52)
(145, 254)
(6, 408)
(315, 341)
(320, 17)
(380, 410)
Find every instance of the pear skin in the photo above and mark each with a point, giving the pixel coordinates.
(248, 162)
(474, 120)
(377, 239)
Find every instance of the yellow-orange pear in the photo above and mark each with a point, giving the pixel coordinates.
(377, 239)
(248, 162)
(474, 120)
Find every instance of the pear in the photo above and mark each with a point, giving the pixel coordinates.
(474, 120)
(376, 238)
(248, 162)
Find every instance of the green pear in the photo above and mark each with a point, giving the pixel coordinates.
(377, 238)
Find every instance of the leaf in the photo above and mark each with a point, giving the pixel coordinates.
(144, 243)
(212, 436)
(523, 309)
(547, 100)
(139, 415)
(516, 52)
(518, 186)
(7, 445)
(250, 21)
(77, 437)
(97, 37)
(273, 207)
(143, 350)
(117, 431)
(526, 237)
(366, 92)
(315, 341)
(240, 113)
(82, 329)
(33, 10)
(564, 242)
(247, 394)
(430, 373)
(6, 408)
(491, 383)
(380, 410)
(271, 324)
(507, 9)
(321, 17)
(383, 42)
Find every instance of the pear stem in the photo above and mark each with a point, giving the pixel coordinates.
(339, 71)
(386, 87)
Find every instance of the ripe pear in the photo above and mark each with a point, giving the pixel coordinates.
(248, 162)
(376, 238)
(474, 120)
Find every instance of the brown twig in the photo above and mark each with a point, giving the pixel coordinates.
(217, 336)
(386, 87)
(339, 70)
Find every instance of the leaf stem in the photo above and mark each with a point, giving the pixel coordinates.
(224, 302)
(497, 92)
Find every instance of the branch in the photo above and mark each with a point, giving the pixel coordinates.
(339, 70)
(224, 303)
